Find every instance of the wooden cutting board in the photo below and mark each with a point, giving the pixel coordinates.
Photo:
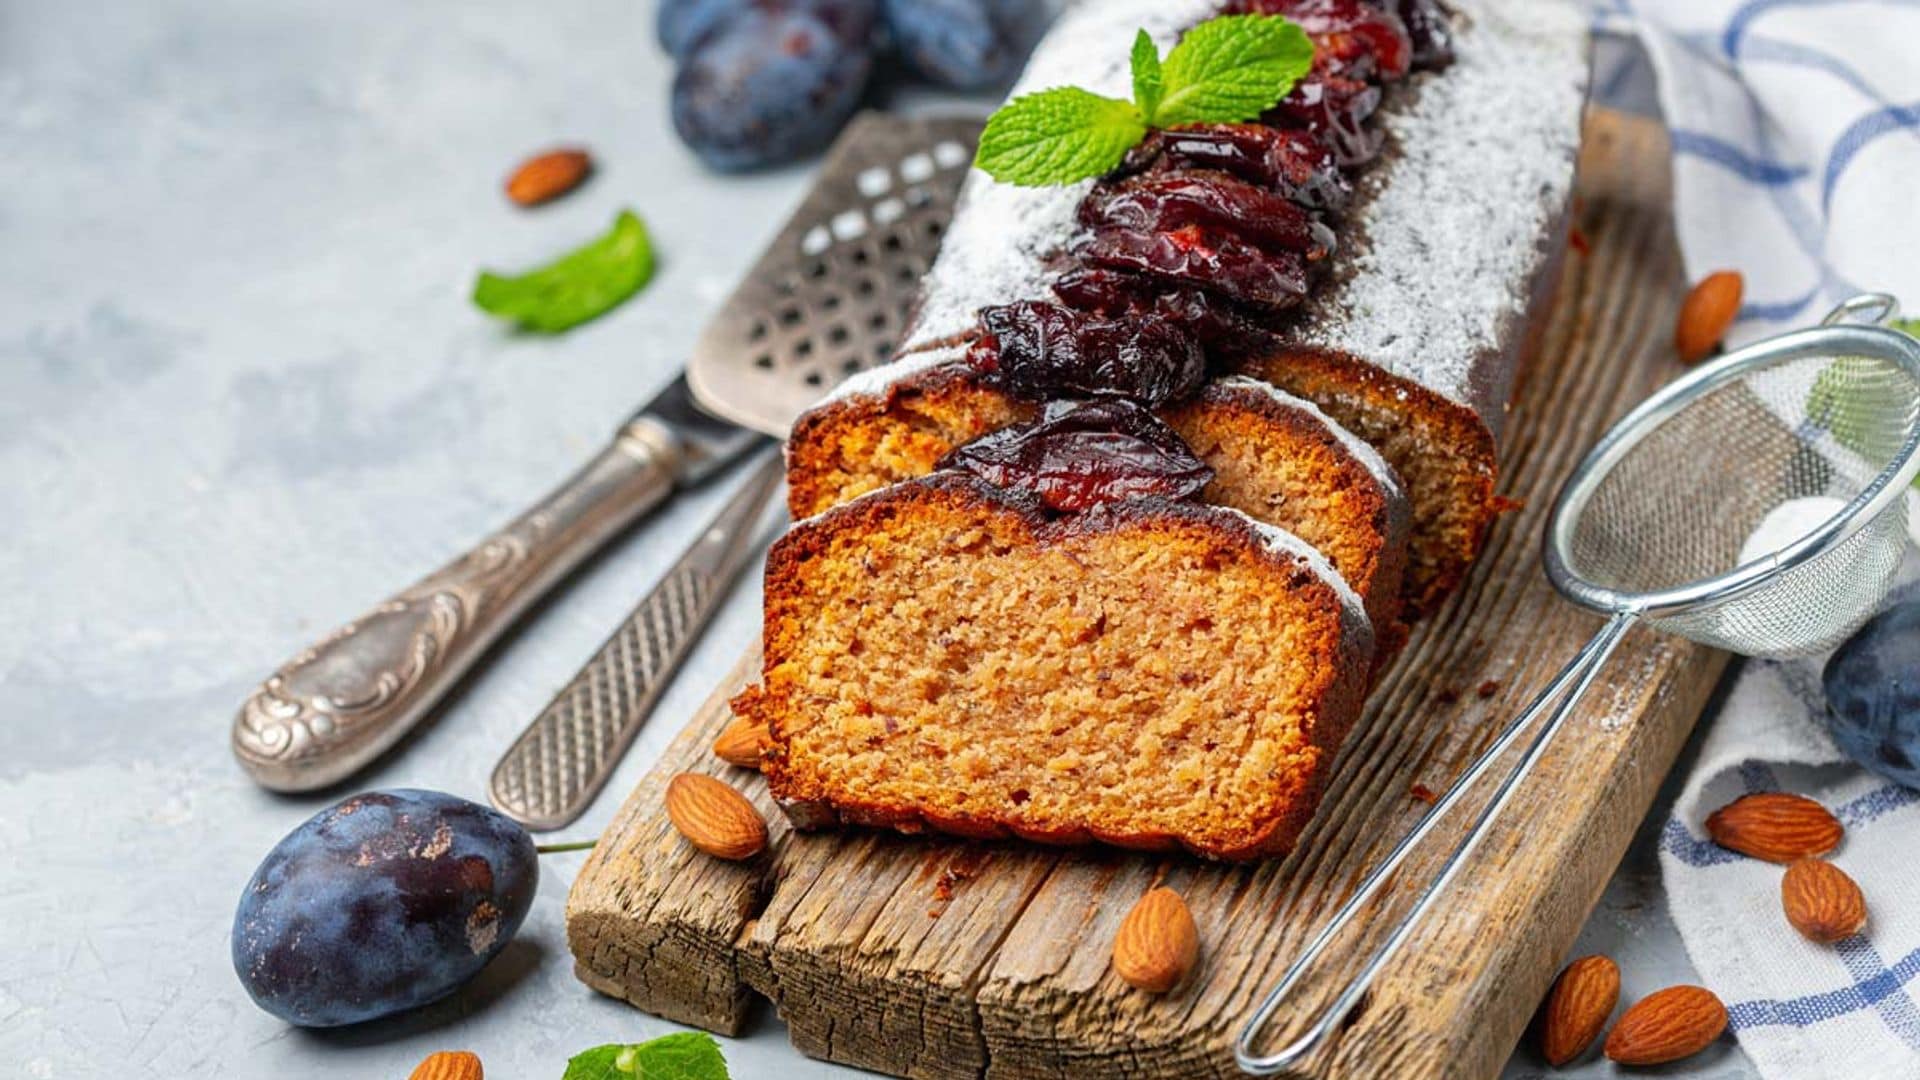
(940, 958)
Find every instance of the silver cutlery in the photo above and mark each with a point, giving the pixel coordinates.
(829, 297)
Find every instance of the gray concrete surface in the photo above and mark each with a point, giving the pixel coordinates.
(243, 396)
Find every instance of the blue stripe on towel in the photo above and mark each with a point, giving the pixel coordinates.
(1744, 16)
(1746, 166)
(1887, 120)
(1813, 1008)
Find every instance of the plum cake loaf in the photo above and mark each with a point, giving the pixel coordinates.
(951, 654)
(1383, 243)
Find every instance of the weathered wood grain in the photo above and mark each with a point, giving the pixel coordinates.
(937, 958)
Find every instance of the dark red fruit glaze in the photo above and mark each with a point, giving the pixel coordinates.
(1080, 454)
(1195, 245)
(1290, 163)
(1224, 328)
(1037, 350)
(1212, 259)
(1427, 26)
(1168, 201)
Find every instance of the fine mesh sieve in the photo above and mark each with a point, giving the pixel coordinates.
(1687, 515)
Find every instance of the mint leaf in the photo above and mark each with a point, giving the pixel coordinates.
(689, 1055)
(1231, 69)
(1148, 79)
(581, 285)
(1058, 136)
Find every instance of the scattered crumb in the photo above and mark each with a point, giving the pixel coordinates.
(1577, 239)
(1424, 793)
(1489, 688)
(1449, 695)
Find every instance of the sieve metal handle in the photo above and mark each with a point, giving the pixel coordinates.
(1561, 695)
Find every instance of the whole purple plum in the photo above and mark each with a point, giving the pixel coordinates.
(384, 902)
(966, 44)
(1873, 694)
(764, 87)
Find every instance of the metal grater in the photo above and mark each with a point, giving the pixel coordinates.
(829, 297)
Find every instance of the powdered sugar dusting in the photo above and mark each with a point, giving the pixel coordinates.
(996, 250)
(1458, 226)
(874, 382)
(1454, 221)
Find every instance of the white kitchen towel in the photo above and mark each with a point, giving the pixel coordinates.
(1796, 144)
(1796, 138)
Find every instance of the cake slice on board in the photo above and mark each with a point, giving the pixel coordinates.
(944, 654)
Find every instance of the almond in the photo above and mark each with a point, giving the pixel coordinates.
(715, 818)
(545, 177)
(740, 744)
(1157, 943)
(1822, 902)
(1667, 1025)
(448, 1065)
(1577, 1008)
(1775, 826)
(1706, 313)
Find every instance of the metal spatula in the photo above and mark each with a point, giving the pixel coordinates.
(829, 297)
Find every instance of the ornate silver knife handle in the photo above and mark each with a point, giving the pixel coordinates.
(555, 768)
(341, 703)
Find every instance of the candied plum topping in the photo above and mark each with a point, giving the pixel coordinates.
(1196, 246)
(1039, 350)
(1334, 111)
(1427, 28)
(1167, 201)
(1350, 37)
(1223, 327)
(1214, 260)
(1081, 454)
(1290, 162)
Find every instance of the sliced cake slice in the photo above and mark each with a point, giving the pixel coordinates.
(1275, 457)
(944, 654)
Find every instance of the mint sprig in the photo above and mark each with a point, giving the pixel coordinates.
(1845, 401)
(688, 1055)
(1224, 71)
(584, 284)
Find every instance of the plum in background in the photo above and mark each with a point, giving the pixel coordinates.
(1873, 694)
(965, 44)
(763, 87)
(682, 24)
(386, 901)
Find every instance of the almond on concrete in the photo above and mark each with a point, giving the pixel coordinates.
(1706, 314)
(1667, 1025)
(448, 1065)
(1157, 943)
(1775, 826)
(1577, 1008)
(545, 177)
(714, 817)
(740, 743)
(1822, 902)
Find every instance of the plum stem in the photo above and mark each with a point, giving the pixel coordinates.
(571, 845)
